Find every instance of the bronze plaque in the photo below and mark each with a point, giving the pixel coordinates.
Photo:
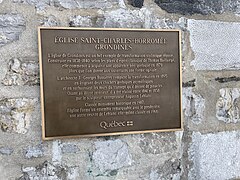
(98, 82)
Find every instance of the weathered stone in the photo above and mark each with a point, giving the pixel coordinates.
(111, 155)
(193, 105)
(86, 21)
(204, 7)
(123, 18)
(167, 23)
(15, 114)
(39, 5)
(34, 151)
(154, 174)
(80, 21)
(79, 4)
(6, 150)
(215, 44)
(215, 156)
(136, 3)
(126, 18)
(158, 143)
(122, 4)
(227, 107)
(22, 72)
(56, 152)
(189, 83)
(68, 4)
(98, 21)
(69, 148)
(170, 170)
(49, 171)
(227, 79)
(11, 27)
(49, 21)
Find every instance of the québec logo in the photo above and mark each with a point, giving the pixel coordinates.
(114, 124)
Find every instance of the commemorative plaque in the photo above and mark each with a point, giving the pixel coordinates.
(98, 82)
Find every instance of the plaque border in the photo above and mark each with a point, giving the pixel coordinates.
(113, 133)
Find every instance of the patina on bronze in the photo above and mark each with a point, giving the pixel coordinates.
(98, 82)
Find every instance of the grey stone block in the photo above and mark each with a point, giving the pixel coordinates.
(81, 21)
(204, 7)
(136, 3)
(228, 105)
(123, 18)
(215, 156)
(170, 170)
(15, 114)
(6, 150)
(91, 4)
(11, 27)
(158, 143)
(49, 21)
(111, 155)
(193, 105)
(69, 148)
(33, 151)
(49, 171)
(215, 44)
(22, 71)
(39, 5)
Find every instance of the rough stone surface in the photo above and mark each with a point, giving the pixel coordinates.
(141, 18)
(69, 148)
(158, 143)
(6, 150)
(136, 3)
(170, 170)
(15, 114)
(111, 155)
(204, 7)
(22, 71)
(34, 151)
(11, 27)
(81, 21)
(39, 5)
(215, 156)
(86, 21)
(193, 105)
(191, 83)
(167, 23)
(227, 107)
(123, 18)
(49, 21)
(68, 4)
(56, 152)
(49, 171)
(79, 4)
(219, 48)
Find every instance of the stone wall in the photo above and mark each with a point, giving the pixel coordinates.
(209, 146)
